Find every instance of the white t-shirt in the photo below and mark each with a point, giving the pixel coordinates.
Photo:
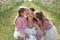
(32, 33)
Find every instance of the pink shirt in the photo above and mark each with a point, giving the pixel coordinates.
(21, 24)
(47, 24)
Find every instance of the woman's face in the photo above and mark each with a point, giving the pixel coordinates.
(30, 14)
(35, 16)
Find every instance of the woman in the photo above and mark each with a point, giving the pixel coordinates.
(31, 30)
(21, 24)
(47, 26)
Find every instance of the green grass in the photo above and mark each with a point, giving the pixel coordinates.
(7, 25)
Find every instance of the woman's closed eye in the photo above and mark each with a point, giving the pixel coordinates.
(29, 13)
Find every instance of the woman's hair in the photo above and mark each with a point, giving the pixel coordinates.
(21, 10)
(40, 16)
(32, 9)
(35, 19)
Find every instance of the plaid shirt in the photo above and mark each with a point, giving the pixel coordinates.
(21, 24)
(47, 24)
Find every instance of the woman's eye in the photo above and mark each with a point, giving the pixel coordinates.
(31, 13)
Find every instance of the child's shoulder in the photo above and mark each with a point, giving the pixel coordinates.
(18, 18)
(21, 18)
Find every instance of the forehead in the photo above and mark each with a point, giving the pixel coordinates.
(30, 12)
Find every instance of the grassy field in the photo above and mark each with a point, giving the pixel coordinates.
(7, 25)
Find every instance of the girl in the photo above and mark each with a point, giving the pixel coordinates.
(40, 31)
(47, 26)
(21, 24)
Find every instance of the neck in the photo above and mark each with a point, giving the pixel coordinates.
(30, 23)
(22, 14)
(30, 20)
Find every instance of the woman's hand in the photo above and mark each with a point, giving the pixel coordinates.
(26, 35)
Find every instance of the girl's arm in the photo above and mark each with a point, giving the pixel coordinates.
(19, 24)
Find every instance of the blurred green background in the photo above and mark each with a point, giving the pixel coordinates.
(9, 8)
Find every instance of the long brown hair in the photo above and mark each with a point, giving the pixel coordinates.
(40, 16)
(21, 10)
